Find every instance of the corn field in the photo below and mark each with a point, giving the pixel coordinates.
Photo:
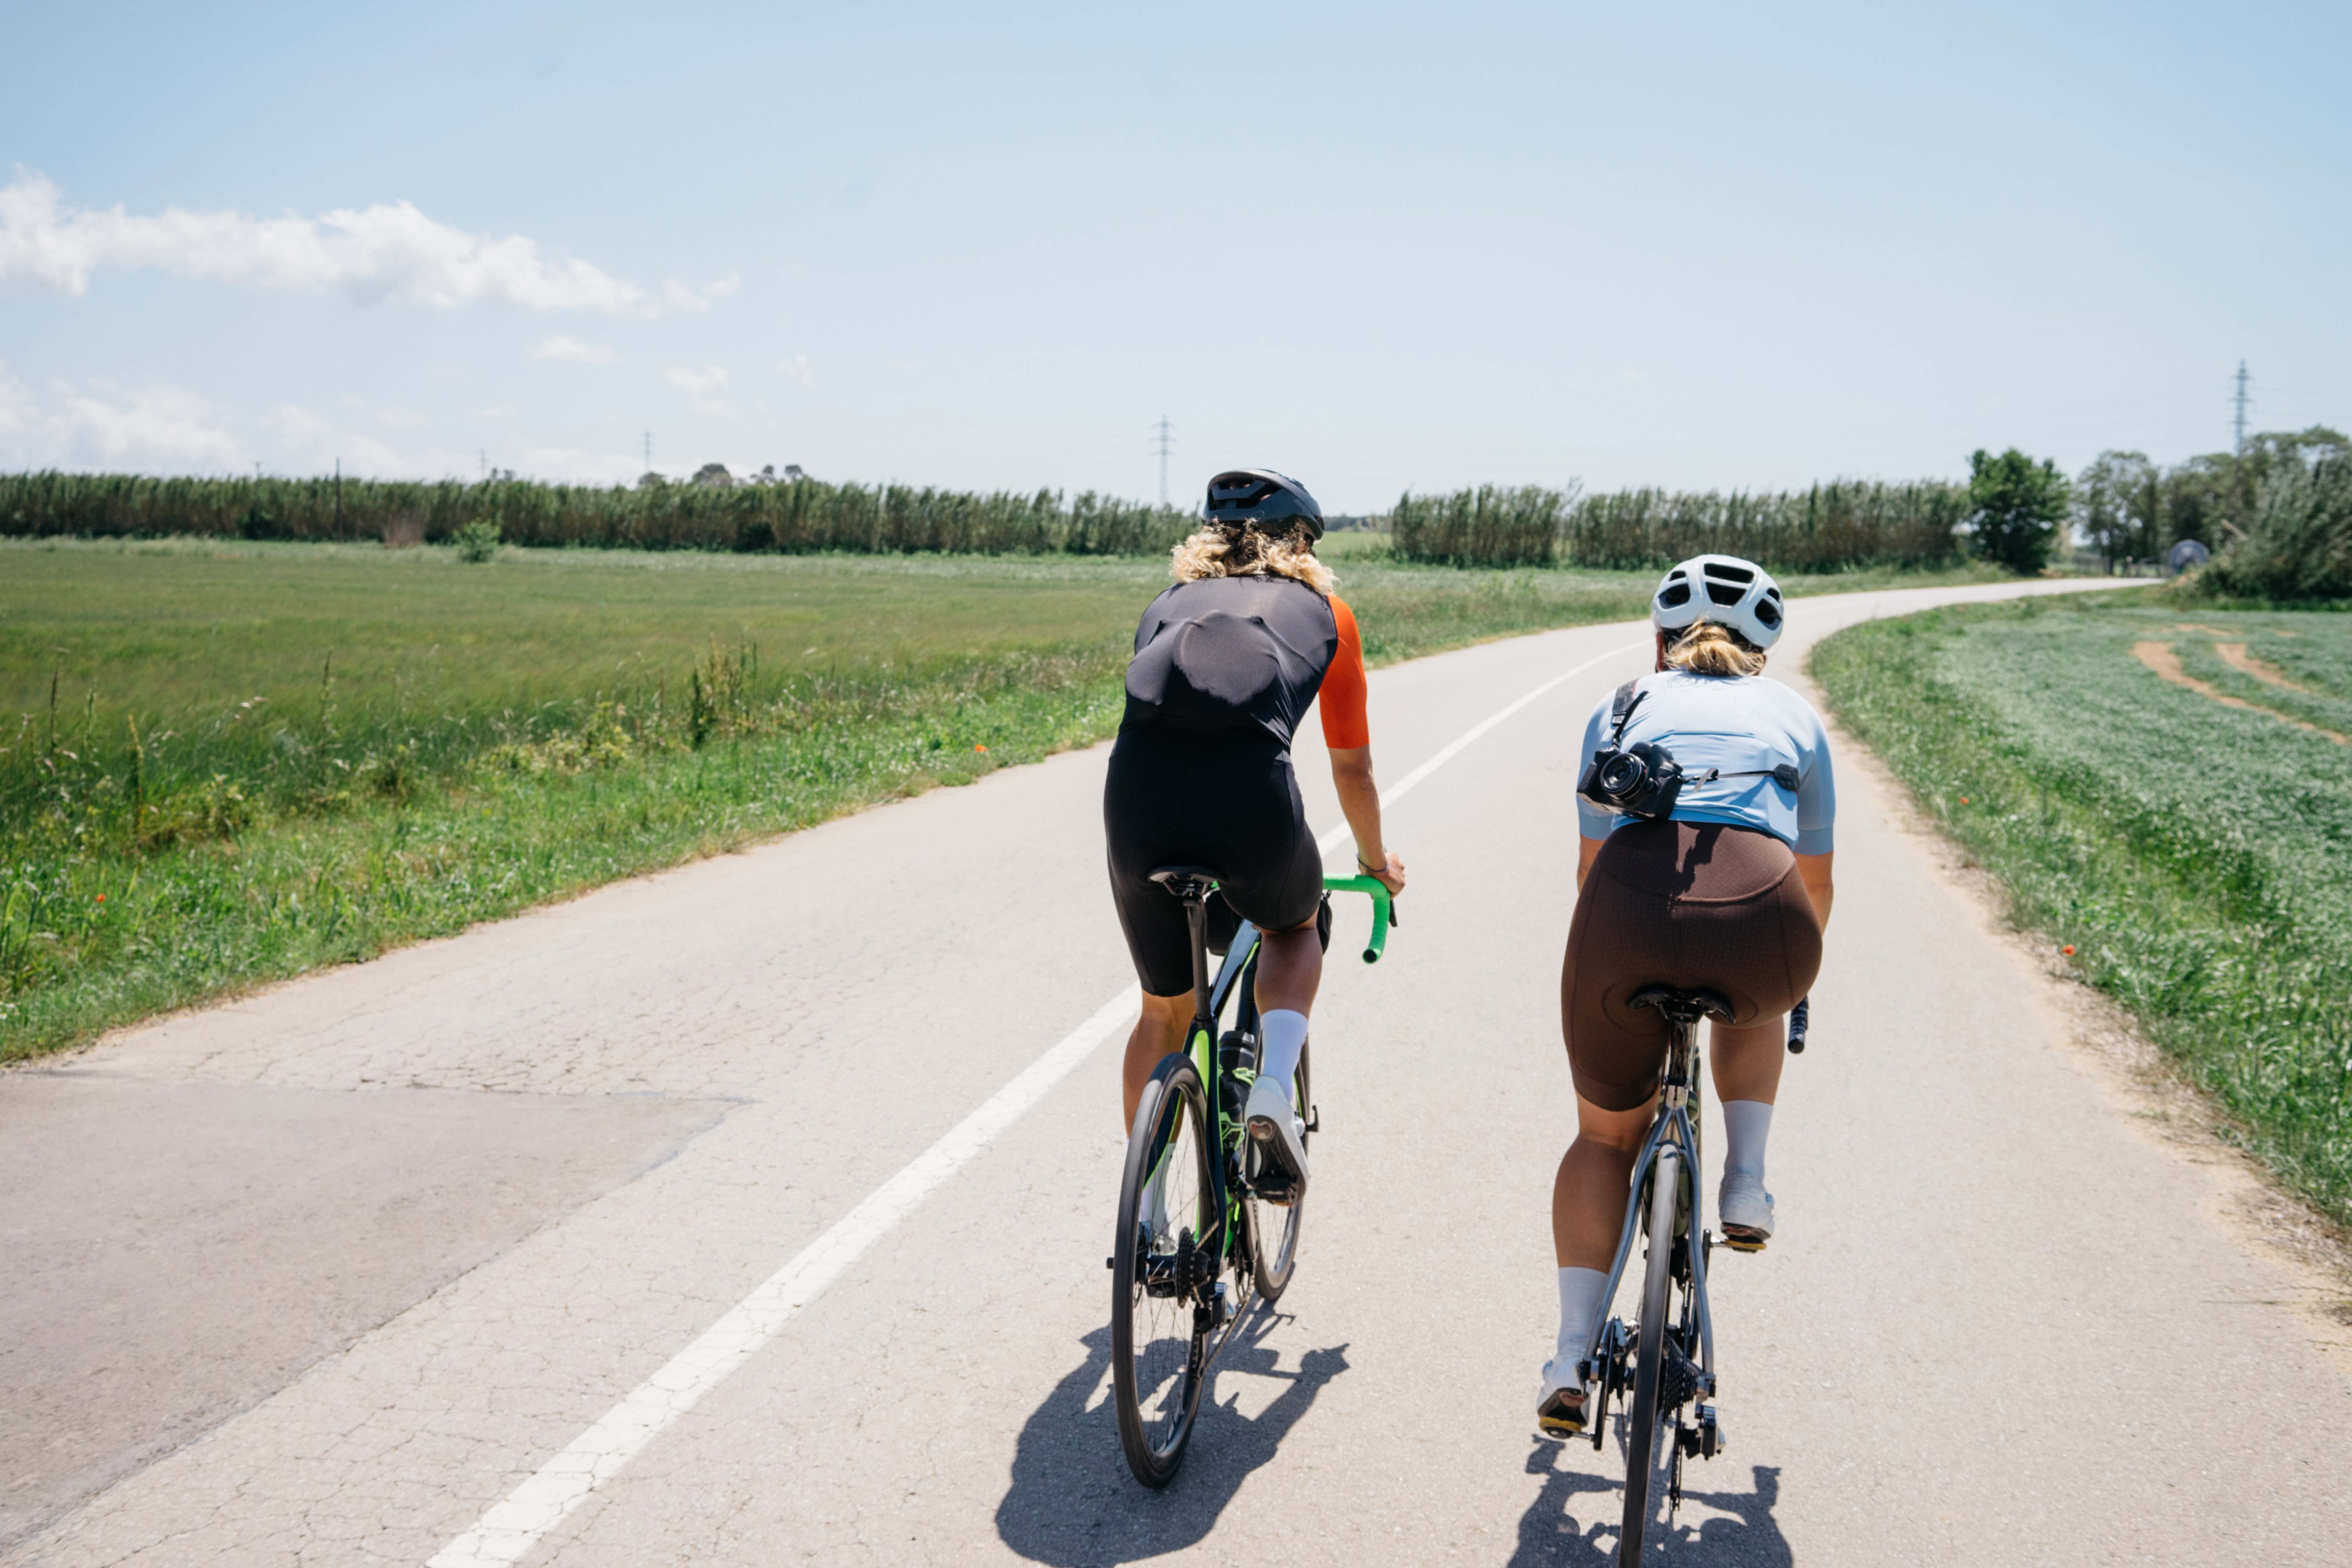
(1847, 522)
(793, 517)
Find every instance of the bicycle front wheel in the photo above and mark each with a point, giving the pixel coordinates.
(1274, 1227)
(1647, 1456)
(1164, 1270)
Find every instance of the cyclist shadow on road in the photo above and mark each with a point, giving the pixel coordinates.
(1554, 1532)
(1073, 1503)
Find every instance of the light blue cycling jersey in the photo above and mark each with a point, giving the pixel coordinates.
(1744, 725)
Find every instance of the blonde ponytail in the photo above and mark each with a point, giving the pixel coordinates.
(1222, 549)
(1710, 648)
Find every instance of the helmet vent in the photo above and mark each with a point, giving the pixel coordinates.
(1674, 595)
(1729, 573)
(1724, 592)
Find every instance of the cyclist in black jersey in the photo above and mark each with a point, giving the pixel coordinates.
(1226, 663)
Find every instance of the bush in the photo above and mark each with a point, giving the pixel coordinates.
(2300, 543)
(477, 540)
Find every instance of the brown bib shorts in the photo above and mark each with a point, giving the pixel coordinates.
(1687, 904)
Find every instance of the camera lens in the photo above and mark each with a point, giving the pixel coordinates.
(1623, 774)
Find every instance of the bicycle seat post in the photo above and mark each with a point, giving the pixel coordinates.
(1194, 884)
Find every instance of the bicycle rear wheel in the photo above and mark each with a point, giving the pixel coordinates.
(1647, 1453)
(1274, 1227)
(1164, 1272)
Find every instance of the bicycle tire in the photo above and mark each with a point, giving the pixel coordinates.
(1272, 1269)
(1643, 1428)
(1156, 1380)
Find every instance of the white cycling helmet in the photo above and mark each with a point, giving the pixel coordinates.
(1720, 588)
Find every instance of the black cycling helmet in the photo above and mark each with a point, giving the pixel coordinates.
(1245, 498)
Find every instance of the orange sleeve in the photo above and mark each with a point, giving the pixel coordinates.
(1342, 697)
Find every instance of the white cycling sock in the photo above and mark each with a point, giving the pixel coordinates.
(1745, 1124)
(1282, 1034)
(1580, 1313)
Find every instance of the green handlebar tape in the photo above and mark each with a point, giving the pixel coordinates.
(1379, 893)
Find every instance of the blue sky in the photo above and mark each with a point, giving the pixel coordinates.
(1381, 247)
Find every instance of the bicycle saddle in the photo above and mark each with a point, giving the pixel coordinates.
(1185, 881)
(1682, 1006)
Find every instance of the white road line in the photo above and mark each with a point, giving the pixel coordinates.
(1447, 753)
(518, 1522)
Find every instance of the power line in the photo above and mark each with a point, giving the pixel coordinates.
(1167, 435)
(2241, 401)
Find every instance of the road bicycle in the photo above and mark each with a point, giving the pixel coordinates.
(1198, 1247)
(1665, 1364)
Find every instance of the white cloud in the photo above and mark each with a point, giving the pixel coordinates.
(315, 443)
(402, 419)
(579, 353)
(707, 382)
(152, 430)
(387, 251)
(797, 368)
(495, 410)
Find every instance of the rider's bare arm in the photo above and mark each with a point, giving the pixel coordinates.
(1359, 800)
(1814, 871)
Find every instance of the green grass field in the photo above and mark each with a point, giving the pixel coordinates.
(2167, 789)
(223, 764)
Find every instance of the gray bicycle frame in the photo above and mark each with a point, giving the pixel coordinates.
(1672, 1128)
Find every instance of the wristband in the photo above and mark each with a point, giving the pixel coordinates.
(1368, 870)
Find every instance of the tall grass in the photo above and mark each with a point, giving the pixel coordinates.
(794, 517)
(1843, 524)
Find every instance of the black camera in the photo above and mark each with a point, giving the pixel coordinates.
(1639, 780)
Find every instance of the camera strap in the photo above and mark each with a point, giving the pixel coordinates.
(1621, 708)
(1785, 775)
(1629, 697)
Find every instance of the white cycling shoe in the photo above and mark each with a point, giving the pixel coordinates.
(1560, 1402)
(1278, 1169)
(1746, 1211)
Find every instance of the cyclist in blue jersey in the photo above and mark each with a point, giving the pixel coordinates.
(1723, 883)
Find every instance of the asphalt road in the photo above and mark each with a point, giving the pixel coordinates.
(727, 1217)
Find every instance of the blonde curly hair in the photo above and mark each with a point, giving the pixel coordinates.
(1710, 648)
(1228, 550)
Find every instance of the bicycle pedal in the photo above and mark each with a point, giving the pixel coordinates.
(1744, 1243)
(1315, 1118)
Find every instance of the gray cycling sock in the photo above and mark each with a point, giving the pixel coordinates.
(1282, 1036)
(1746, 1125)
(1580, 1313)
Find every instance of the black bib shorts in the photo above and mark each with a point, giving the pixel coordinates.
(1225, 799)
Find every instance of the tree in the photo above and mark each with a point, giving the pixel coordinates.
(2114, 504)
(2016, 505)
(2197, 500)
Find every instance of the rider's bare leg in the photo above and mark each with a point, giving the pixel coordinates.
(1587, 1195)
(1289, 968)
(1160, 1031)
(1748, 1060)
